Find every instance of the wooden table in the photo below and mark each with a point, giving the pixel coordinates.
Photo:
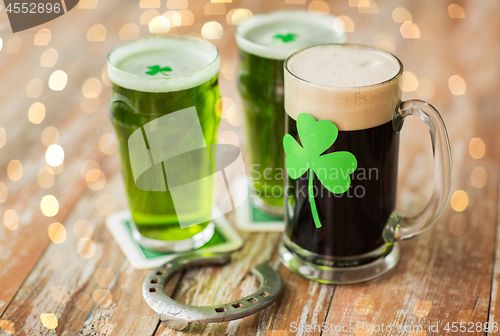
(449, 274)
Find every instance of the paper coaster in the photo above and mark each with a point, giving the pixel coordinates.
(225, 239)
(251, 219)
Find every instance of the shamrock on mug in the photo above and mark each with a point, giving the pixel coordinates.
(316, 137)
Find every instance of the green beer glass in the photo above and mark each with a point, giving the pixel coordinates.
(265, 41)
(163, 104)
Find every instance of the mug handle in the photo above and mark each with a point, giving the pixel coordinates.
(399, 226)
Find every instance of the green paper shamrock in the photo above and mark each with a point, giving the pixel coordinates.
(154, 69)
(286, 38)
(316, 137)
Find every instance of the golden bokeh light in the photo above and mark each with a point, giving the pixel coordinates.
(83, 302)
(147, 16)
(458, 224)
(187, 17)
(173, 17)
(89, 105)
(58, 170)
(106, 205)
(83, 229)
(159, 25)
(49, 58)
(318, 7)
(477, 148)
(86, 248)
(409, 30)
(50, 136)
(425, 89)
(7, 326)
(237, 15)
(229, 138)
(11, 219)
(409, 82)
(102, 297)
(59, 294)
(49, 320)
(363, 305)
(49, 205)
(129, 31)
(88, 166)
(459, 200)
(54, 155)
(177, 4)
(456, 11)
(1, 43)
(97, 33)
(368, 7)
(479, 177)
(214, 8)
(108, 143)
(46, 177)
(212, 30)
(104, 76)
(104, 277)
(295, 2)
(231, 113)
(384, 42)
(34, 88)
(57, 233)
(95, 184)
(221, 106)
(150, 4)
(228, 70)
(92, 87)
(14, 45)
(401, 14)
(92, 175)
(15, 170)
(58, 80)
(457, 85)
(3, 137)
(343, 24)
(422, 308)
(42, 37)
(4, 192)
(87, 4)
(36, 113)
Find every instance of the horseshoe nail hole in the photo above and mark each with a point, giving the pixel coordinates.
(160, 273)
(237, 305)
(152, 290)
(154, 281)
(167, 266)
(252, 300)
(220, 309)
(264, 294)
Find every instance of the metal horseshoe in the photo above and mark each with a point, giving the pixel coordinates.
(178, 315)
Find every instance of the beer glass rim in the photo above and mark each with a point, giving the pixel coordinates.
(169, 78)
(350, 45)
(271, 52)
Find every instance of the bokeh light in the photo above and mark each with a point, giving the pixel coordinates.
(89, 105)
(212, 30)
(108, 143)
(214, 8)
(458, 224)
(34, 88)
(102, 297)
(159, 25)
(459, 200)
(36, 113)
(479, 177)
(235, 115)
(3, 137)
(95, 179)
(187, 17)
(456, 11)
(425, 89)
(42, 37)
(92, 88)
(54, 155)
(1, 43)
(129, 31)
(147, 16)
(221, 106)
(83, 229)
(86, 248)
(87, 4)
(409, 30)
(477, 148)
(104, 277)
(58, 80)
(229, 138)
(343, 24)
(88, 166)
(237, 15)
(83, 302)
(4, 192)
(57, 233)
(15, 170)
(49, 320)
(318, 7)
(173, 17)
(59, 294)
(363, 305)
(457, 85)
(368, 7)
(14, 45)
(49, 205)
(7, 326)
(50, 136)
(409, 82)
(106, 205)
(97, 33)
(150, 4)
(295, 2)
(177, 4)
(46, 177)
(401, 14)
(11, 219)
(385, 42)
(104, 76)
(49, 58)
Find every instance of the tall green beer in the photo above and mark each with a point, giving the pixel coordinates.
(163, 110)
(264, 42)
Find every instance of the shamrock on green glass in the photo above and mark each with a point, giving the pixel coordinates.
(316, 137)
(286, 38)
(154, 69)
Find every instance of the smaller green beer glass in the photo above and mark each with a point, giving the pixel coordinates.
(265, 41)
(163, 112)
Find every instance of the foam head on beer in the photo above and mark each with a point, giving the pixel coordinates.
(354, 87)
(163, 64)
(277, 35)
